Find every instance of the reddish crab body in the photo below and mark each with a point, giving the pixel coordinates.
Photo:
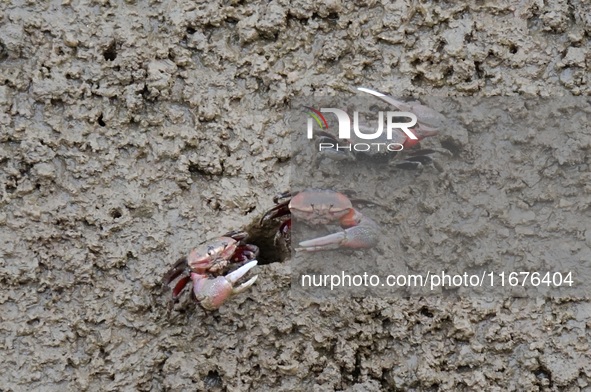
(206, 265)
(322, 207)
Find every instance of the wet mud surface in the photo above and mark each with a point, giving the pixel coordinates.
(134, 130)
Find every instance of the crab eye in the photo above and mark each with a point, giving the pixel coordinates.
(210, 251)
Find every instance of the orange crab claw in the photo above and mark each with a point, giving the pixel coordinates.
(211, 293)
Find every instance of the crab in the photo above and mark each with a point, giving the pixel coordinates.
(410, 155)
(428, 120)
(322, 207)
(206, 265)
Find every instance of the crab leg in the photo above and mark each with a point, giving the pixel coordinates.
(276, 212)
(178, 288)
(179, 267)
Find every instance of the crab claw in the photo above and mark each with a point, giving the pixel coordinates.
(356, 237)
(211, 293)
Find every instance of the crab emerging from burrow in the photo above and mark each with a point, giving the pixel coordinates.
(215, 269)
(406, 150)
(323, 207)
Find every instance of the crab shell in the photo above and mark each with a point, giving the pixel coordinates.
(213, 256)
(319, 206)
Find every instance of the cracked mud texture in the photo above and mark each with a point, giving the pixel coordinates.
(134, 130)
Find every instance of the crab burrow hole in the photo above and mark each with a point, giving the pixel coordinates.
(273, 248)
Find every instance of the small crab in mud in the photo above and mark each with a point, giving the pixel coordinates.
(321, 207)
(206, 265)
(400, 145)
